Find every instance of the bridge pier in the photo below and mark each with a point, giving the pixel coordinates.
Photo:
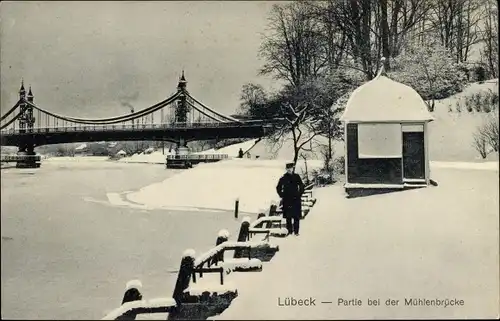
(28, 157)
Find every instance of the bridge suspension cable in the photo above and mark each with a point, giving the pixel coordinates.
(110, 120)
(211, 110)
(11, 121)
(190, 104)
(10, 111)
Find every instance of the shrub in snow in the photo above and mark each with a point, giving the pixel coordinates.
(480, 144)
(480, 73)
(486, 137)
(485, 101)
(329, 173)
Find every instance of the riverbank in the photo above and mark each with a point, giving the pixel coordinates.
(410, 245)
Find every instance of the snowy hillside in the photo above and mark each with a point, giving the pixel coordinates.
(451, 134)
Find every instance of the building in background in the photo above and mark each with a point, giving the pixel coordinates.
(386, 137)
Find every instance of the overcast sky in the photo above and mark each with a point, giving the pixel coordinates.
(82, 58)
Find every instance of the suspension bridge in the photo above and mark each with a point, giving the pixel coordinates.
(180, 118)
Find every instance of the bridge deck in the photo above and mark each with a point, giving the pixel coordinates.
(159, 132)
(128, 127)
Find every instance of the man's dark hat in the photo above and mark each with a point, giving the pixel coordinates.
(289, 165)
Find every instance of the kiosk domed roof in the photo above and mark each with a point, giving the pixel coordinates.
(385, 100)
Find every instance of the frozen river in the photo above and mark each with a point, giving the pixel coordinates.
(67, 253)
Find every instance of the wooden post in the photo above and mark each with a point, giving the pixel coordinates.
(222, 237)
(183, 278)
(236, 205)
(242, 236)
(272, 212)
(132, 293)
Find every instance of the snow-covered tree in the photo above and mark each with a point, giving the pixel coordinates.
(430, 70)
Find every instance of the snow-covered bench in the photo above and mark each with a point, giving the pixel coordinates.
(213, 260)
(307, 201)
(257, 228)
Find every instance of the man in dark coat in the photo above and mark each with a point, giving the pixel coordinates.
(290, 188)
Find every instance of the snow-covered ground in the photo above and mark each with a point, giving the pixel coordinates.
(487, 165)
(218, 185)
(433, 243)
(231, 150)
(76, 159)
(156, 157)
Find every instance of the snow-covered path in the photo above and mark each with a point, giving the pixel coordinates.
(434, 243)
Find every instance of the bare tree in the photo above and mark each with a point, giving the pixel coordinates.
(490, 130)
(336, 37)
(480, 144)
(293, 49)
(487, 135)
(253, 101)
(294, 52)
(457, 25)
(299, 107)
(366, 30)
(490, 51)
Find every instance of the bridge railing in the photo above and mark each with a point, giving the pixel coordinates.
(17, 158)
(197, 157)
(195, 298)
(118, 127)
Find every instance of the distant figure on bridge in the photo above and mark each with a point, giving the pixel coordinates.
(240, 153)
(290, 188)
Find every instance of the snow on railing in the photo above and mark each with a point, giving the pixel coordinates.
(228, 245)
(248, 256)
(133, 308)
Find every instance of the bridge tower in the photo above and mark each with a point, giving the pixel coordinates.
(181, 112)
(26, 122)
(30, 119)
(22, 107)
(181, 109)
